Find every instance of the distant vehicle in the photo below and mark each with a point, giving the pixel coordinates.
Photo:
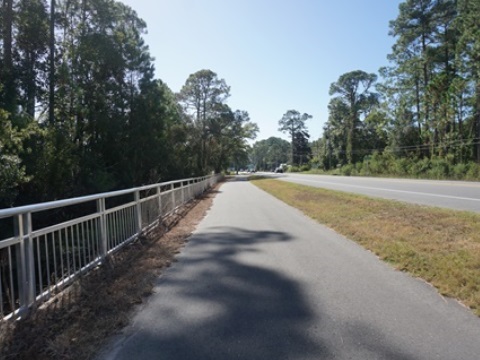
(279, 170)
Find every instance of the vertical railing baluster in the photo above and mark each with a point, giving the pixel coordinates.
(61, 253)
(182, 192)
(26, 276)
(54, 259)
(12, 287)
(67, 251)
(79, 247)
(103, 227)
(48, 263)
(114, 229)
(39, 266)
(159, 196)
(121, 227)
(90, 256)
(138, 212)
(84, 243)
(173, 197)
(22, 266)
(72, 239)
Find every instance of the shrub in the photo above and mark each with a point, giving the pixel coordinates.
(440, 169)
(358, 167)
(459, 171)
(420, 167)
(434, 168)
(348, 170)
(473, 172)
(402, 166)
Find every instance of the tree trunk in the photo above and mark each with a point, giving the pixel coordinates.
(477, 120)
(51, 102)
(350, 140)
(292, 147)
(9, 79)
(418, 106)
(31, 85)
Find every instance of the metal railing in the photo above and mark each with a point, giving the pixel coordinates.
(38, 259)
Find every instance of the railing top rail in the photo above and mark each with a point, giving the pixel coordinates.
(82, 199)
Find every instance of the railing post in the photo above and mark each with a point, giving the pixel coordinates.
(26, 275)
(191, 189)
(20, 254)
(159, 194)
(138, 212)
(172, 188)
(183, 192)
(103, 227)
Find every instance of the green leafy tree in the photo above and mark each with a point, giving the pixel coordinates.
(293, 123)
(110, 123)
(352, 104)
(302, 151)
(202, 97)
(13, 175)
(31, 48)
(178, 160)
(335, 131)
(414, 28)
(8, 91)
(104, 75)
(428, 76)
(468, 52)
(241, 130)
(270, 153)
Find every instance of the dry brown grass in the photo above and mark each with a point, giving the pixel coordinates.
(438, 245)
(75, 324)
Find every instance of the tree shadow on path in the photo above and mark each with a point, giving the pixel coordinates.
(220, 301)
(211, 305)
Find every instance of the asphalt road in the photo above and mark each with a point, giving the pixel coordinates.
(459, 195)
(259, 280)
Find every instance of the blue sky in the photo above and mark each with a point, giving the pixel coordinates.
(276, 55)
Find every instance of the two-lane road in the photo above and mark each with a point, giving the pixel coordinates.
(459, 195)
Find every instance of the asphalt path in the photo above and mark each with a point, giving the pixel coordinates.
(458, 195)
(259, 280)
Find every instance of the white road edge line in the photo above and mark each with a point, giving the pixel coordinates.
(391, 190)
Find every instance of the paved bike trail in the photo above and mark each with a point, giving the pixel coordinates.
(259, 280)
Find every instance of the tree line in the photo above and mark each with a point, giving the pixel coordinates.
(420, 116)
(426, 107)
(81, 111)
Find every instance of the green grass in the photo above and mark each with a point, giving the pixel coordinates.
(438, 245)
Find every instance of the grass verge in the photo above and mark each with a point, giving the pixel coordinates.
(440, 246)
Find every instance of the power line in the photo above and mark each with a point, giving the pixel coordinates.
(451, 144)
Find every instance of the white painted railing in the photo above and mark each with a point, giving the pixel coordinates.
(38, 259)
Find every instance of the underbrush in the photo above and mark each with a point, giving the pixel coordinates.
(387, 165)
